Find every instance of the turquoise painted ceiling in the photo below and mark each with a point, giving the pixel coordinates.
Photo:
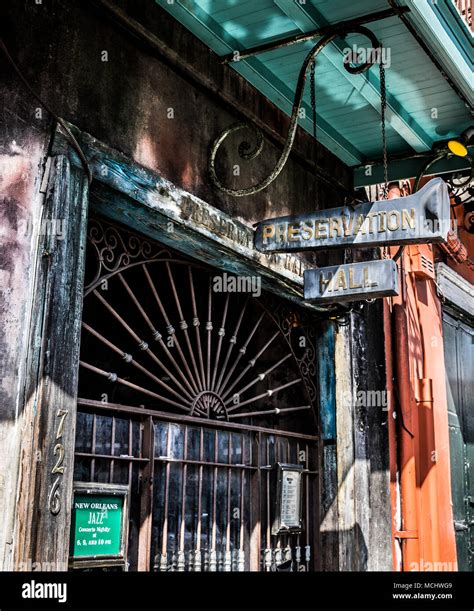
(422, 106)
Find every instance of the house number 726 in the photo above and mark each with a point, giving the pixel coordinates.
(54, 500)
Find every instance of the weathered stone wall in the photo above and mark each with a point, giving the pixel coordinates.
(137, 103)
(21, 156)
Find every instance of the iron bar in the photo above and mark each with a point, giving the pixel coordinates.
(93, 455)
(141, 343)
(298, 536)
(268, 525)
(278, 550)
(306, 481)
(242, 351)
(136, 302)
(112, 450)
(221, 334)
(133, 362)
(140, 447)
(189, 461)
(261, 376)
(142, 412)
(170, 329)
(94, 432)
(255, 508)
(182, 528)
(267, 412)
(306, 36)
(228, 557)
(184, 327)
(250, 364)
(196, 325)
(197, 555)
(209, 333)
(130, 450)
(113, 377)
(206, 399)
(164, 537)
(268, 393)
(232, 343)
(241, 553)
(156, 335)
(213, 554)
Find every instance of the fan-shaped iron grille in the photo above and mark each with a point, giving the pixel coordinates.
(157, 333)
(198, 392)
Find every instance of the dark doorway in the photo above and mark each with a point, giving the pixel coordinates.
(191, 396)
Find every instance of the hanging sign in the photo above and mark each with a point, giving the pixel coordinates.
(351, 282)
(99, 524)
(415, 219)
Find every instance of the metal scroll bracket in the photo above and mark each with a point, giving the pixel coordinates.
(249, 152)
(442, 153)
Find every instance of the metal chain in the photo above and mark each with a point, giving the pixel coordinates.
(312, 78)
(383, 107)
(313, 97)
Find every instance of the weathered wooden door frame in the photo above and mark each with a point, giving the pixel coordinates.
(153, 206)
(43, 508)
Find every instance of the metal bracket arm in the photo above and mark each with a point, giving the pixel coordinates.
(247, 152)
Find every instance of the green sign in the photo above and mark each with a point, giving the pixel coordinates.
(97, 525)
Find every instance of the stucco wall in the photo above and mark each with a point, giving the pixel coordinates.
(21, 158)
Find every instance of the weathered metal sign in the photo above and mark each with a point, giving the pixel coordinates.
(418, 218)
(288, 510)
(351, 282)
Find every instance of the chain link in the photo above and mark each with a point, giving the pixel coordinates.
(313, 96)
(383, 108)
(312, 77)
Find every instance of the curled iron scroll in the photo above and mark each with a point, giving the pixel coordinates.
(246, 151)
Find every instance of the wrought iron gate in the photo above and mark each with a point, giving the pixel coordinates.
(191, 396)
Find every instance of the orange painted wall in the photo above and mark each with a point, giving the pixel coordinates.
(419, 436)
(436, 529)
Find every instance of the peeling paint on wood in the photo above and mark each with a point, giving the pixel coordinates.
(327, 382)
(167, 213)
(44, 501)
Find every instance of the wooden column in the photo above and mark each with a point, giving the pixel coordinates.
(47, 463)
